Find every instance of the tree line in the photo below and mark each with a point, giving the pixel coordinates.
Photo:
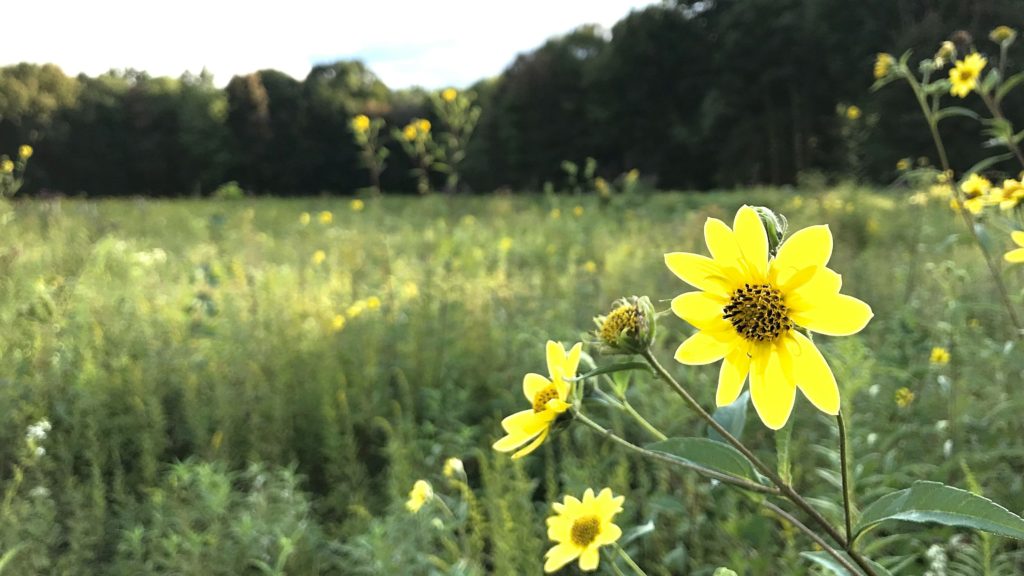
(693, 94)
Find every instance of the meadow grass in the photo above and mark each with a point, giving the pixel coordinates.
(224, 400)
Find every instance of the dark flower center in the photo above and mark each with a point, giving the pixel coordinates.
(758, 313)
(584, 530)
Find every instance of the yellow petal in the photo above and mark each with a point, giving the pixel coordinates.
(533, 383)
(814, 377)
(1018, 237)
(840, 315)
(732, 375)
(811, 246)
(752, 240)
(609, 533)
(556, 358)
(559, 556)
(1014, 255)
(698, 271)
(532, 445)
(722, 243)
(701, 309)
(526, 422)
(704, 348)
(572, 360)
(559, 528)
(822, 286)
(589, 559)
(770, 391)
(609, 505)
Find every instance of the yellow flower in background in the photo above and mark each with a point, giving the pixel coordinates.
(975, 186)
(748, 307)
(410, 290)
(939, 356)
(318, 257)
(954, 205)
(337, 323)
(975, 205)
(853, 113)
(964, 76)
(409, 132)
(361, 123)
(373, 303)
(449, 94)
(304, 218)
(1017, 254)
(581, 528)
(423, 126)
(904, 397)
(590, 266)
(357, 205)
(326, 217)
(883, 64)
(6, 166)
(903, 164)
(420, 494)
(556, 213)
(25, 152)
(548, 399)
(577, 211)
(452, 467)
(1009, 195)
(1002, 34)
(940, 191)
(505, 244)
(355, 309)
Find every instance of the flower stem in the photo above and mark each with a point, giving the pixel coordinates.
(844, 468)
(724, 478)
(642, 421)
(843, 561)
(783, 486)
(629, 561)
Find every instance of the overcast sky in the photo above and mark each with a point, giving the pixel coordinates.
(433, 43)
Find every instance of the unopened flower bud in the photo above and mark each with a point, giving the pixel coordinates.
(1003, 35)
(775, 225)
(630, 327)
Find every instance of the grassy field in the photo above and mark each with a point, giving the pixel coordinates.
(232, 389)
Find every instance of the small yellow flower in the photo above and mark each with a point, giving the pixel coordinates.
(373, 303)
(409, 132)
(964, 76)
(355, 309)
(304, 218)
(1017, 254)
(581, 528)
(410, 290)
(505, 244)
(1002, 35)
(590, 266)
(1009, 195)
(903, 164)
(975, 186)
(357, 205)
(6, 166)
(749, 305)
(453, 467)
(361, 123)
(25, 152)
(940, 191)
(423, 126)
(883, 64)
(853, 113)
(577, 211)
(939, 356)
(449, 95)
(318, 257)
(946, 51)
(420, 494)
(337, 323)
(326, 217)
(556, 214)
(975, 205)
(904, 397)
(548, 399)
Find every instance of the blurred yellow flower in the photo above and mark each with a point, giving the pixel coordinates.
(410, 290)
(449, 94)
(556, 214)
(373, 303)
(318, 257)
(1017, 254)
(904, 397)
(581, 528)
(548, 399)
(326, 217)
(903, 164)
(423, 126)
(939, 356)
(420, 494)
(505, 244)
(940, 191)
(355, 309)
(883, 64)
(946, 51)
(577, 211)
(304, 218)
(853, 113)
(361, 123)
(337, 323)
(590, 266)
(975, 186)
(749, 306)
(1002, 34)
(1009, 195)
(357, 205)
(453, 467)
(6, 166)
(975, 205)
(409, 132)
(964, 76)
(25, 152)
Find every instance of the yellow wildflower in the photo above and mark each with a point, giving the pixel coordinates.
(1002, 35)
(355, 309)
(581, 528)
(409, 132)
(548, 399)
(449, 95)
(6, 166)
(883, 64)
(410, 290)
(946, 51)
(337, 323)
(590, 266)
(748, 307)
(373, 303)
(304, 218)
(853, 113)
(420, 494)
(556, 214)
(940, 191)
(919, 199)
(964, 76)
(577, 211)
(357, 205)
(326, 217)
(505, 244)
(903, 164)
(975, 186)
(939, 356)
(1009, 195)
(904, 397)
(423, 126)
(975, 205)
(25, 152)
(452, 467)
(361, 123)
(1017, 254)
(318, 257)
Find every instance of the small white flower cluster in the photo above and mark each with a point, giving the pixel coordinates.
(35, 434)
(937, 560)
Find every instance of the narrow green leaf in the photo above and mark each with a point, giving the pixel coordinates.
(732, 417)
(956, 111)
(988, 162)
(709, 454)
(825, 560)
(612, 368)
(933, 502)
(1008, 85)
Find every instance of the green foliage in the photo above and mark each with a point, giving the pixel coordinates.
(708, 454)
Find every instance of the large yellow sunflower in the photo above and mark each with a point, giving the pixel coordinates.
(548, 399)
(580, 528)
(749, 310)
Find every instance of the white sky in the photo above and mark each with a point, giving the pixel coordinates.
(432, 43)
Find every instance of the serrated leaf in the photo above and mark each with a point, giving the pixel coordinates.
(708, 454)
(825, 560)
(935, 503)
(732, 417)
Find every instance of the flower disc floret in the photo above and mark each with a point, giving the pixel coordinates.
(750, 308)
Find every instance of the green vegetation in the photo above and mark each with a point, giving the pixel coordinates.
(225, 398)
